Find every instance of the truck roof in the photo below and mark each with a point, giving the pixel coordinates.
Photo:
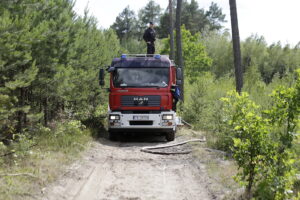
(142, 61)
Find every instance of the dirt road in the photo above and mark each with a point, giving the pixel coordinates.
(119, 171)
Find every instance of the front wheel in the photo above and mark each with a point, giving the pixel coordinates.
(170, 136)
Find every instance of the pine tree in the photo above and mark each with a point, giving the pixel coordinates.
(125, 24)
(49, 59)
(18, 69)
(150, 13)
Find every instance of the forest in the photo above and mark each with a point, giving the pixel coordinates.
(50, 96)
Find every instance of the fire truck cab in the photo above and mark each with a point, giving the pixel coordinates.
(141, 95)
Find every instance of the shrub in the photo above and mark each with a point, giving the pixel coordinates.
(263, 142)
(250, 138)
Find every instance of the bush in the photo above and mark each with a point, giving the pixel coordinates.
(66, 136)
(250, 137)
(263, 142)
(203, 109)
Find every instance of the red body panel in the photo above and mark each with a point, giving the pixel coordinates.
(165, 93)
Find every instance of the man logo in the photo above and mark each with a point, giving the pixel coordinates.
(140, 101)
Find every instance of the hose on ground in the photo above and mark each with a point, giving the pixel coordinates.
(150, 149)
(186, 123)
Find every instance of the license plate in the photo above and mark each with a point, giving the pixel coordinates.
(140, 117)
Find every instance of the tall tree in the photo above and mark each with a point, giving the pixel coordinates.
(179, 57)
(18, 69)
(236, 46)
(172, 53)
(215, 17)
(49, 59)
(196, 60)
(219, 48)
(194, 18)
(151, 12)
(53, 22)
(125, 24)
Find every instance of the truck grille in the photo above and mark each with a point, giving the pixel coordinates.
(150, 100)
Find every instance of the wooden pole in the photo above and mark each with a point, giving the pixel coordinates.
(171, 28)
(236, 46)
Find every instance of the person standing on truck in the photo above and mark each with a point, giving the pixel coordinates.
(149, 37)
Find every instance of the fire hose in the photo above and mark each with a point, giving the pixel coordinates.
(150, 149)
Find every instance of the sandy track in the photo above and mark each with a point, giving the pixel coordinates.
(119, 171)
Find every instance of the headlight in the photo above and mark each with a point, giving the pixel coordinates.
(114, 117)
(167, 117)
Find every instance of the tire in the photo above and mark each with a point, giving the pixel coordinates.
(170, 136)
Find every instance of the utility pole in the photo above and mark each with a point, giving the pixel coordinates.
(236, 46)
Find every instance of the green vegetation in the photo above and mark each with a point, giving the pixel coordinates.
(259, 128)
(49, 63)
(49, 60)
(130, 26)
(35, 159)
(262, 142)
(195, 57)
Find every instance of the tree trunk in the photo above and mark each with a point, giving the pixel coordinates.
(21, 112)
(248, 192)
(236, 46)
(172, 53)
(46, 111)
(179, 58)
(26, 99)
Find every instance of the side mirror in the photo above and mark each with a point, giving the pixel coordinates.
(101, 77)
(178, 73)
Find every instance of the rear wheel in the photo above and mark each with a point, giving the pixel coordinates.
(170, 136)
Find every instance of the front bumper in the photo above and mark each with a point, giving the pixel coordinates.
(142, 122)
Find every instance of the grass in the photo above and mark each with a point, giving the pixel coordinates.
(218, 167)
(24, 174)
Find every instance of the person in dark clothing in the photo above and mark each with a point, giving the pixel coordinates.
(149, 37)
(176, 95)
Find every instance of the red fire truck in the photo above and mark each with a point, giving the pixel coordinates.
(141, 95)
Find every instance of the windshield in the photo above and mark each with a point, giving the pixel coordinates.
(141, 77)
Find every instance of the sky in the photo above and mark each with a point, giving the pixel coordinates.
(276, 20)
